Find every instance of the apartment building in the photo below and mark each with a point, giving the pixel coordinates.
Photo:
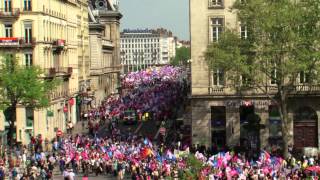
(105, 67)
(219, 112)
(183, 43)
(54, 35)
(144, 48)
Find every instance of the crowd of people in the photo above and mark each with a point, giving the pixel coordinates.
(154, 92)
(122, 154)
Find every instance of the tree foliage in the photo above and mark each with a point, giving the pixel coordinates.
(21, 85)
(282, 44)
(182, 56)
(194, 168)
(24, 85)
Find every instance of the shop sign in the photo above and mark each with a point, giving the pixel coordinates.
(9, 41)
(256, 103)
(61, 43)
(71, 102)
(65, 109)
(49, 113)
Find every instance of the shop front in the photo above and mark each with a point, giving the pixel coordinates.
(254, 123)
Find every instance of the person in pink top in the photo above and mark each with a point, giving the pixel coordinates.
(85, 176)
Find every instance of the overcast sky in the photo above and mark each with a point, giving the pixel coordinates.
(170, 14)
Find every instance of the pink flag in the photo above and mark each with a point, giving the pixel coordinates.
(267, 155)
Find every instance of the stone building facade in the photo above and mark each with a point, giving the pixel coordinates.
(220, 113)
(105, 67)
(53, 35)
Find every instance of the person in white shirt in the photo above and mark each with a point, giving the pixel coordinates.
(71, 175)
(65, 174)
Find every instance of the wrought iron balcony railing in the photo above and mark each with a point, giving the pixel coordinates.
(230, 91)
(9, 13)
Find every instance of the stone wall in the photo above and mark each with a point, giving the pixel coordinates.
(201, 118)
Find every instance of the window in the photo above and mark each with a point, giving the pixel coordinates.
(27, 5)
(7, 6)
(274, 122)
(29, 117)
(8, 30)
(28, 59)
(218, 77)
(218, 125)
(216, 28)
(243, 32)
(28, 33)
(304, 77)
(246, 80)
(215, 3)
(274, 76)
(218, 116)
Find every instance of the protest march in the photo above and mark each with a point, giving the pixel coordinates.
(123, 155)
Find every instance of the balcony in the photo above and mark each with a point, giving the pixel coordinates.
(17, 42)
(105, 70)
(111, 69)
(106, 43)
(50, 72)
(64, 71)
(96, 72)
(58, 45)
(261, 91)
(59, 71)
(13, 13)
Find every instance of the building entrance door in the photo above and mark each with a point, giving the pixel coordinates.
(218, 126)
(249, 129)
(305, 128)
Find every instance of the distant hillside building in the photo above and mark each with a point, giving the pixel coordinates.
(143, 48)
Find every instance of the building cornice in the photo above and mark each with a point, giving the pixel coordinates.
(96, 26)
(226, 97)
(109, 14)
(42, 13)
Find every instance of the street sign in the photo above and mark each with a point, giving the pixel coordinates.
(65, 109)
(49, 113)
(71, 102)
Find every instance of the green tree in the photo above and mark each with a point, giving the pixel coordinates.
(193, 169)
(282, 44)
(182, 56)
(21, 85)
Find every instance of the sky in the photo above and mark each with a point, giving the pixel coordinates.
(170, 14)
